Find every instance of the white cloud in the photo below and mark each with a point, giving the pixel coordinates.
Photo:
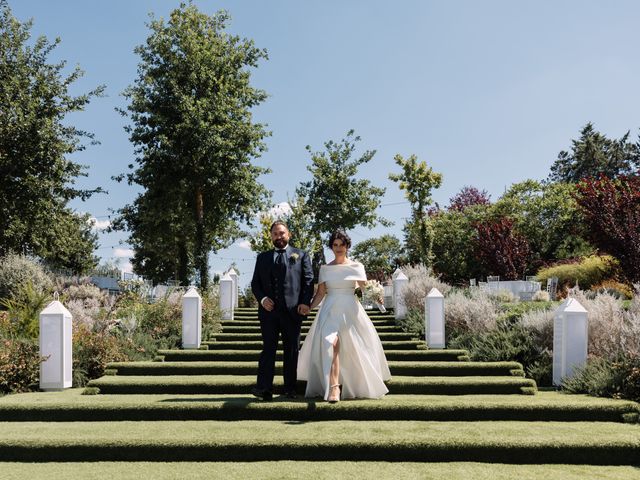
(126, 267)
(99, 224)
(244, 244)
(280, 209)
(123, 253)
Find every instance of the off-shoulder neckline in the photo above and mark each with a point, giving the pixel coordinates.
(341, 264)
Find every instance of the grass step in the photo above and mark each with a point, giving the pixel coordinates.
(250, 367)
(252, 355)
(257, 345)
(251, 337)
(71, 405)
(255, 329)
(321, 470)
(595, 443)
(306, 323)
(242, 384)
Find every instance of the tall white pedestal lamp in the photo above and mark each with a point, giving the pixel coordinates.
(191, 319)
(399, 283)
(434, 319)
(55, 346)
(226, 296)
(570, 337)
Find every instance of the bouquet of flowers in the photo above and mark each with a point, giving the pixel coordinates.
(373, 293)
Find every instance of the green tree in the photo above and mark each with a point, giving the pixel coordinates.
(300, 223)
(454, 243)
(37, 176)
(548, 216)
(195, 138)
(380, 256)
(334, 198)
(594, 154)
(418, 180)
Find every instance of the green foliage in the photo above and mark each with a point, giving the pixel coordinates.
(23, 311)
(547, 215)
(36, 142)
(16, 271)
(453, 244)
(587, 272)
(413, 322)
(260, 241)
(594, 154)
(607, 378)
(334, 198)
(19, 365)
(192, 126)
(92, 351)
(418, 180)
(506, 342)
(541, 370)
(380, 256)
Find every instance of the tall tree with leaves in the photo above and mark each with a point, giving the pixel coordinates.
(417, 180)
(195, 138)
(594, 154)
(611, 210)
(37, 176)
(334, 198)
(380, 256)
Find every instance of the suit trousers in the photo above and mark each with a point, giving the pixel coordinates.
(279, 323)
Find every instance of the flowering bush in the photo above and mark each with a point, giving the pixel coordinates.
(469, 311)
(541, 296)
(16, 271)
(421, 281)
(92, 351)
(585, 272)
(19, 365)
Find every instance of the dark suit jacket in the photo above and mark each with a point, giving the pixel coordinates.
(298, 283)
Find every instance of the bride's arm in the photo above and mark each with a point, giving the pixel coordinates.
(317, 298)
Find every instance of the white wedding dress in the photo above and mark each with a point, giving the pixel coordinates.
(363, 366)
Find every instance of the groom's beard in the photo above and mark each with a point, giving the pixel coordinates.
(280, 243)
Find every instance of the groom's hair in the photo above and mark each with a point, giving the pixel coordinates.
(276, 223)
(340, 235)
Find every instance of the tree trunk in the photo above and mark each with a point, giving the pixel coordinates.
(201, 260)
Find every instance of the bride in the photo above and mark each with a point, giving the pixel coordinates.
(342, 355)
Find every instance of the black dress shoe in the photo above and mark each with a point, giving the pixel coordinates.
(262, 394)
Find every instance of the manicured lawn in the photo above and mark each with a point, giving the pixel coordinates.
(312, 470)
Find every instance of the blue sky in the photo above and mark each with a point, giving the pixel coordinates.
(486, 92)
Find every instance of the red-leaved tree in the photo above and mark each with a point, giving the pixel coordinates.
(500, 249)
(611, 210)
(468, 197)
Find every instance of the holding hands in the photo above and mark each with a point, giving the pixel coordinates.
(303, 309)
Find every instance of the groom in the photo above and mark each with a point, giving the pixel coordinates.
(283, 285)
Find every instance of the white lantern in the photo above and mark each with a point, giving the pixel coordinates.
(234, 276)
(191, 319)
(434, 319)
(399, 283)
(226, 296)
(395, 274)
(570, 337)
(55, 346)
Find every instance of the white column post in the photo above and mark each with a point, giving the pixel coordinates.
(394, 275)
(226, 296)
(570, 337)
(434, 319)
(55, 346)
(399, 283)
(191, 319)
(234, 276)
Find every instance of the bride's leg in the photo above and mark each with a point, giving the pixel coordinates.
(334, 373)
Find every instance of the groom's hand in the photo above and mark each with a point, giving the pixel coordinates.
(303, 309)
(268, 304)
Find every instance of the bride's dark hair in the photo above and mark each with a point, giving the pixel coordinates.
(340, 235)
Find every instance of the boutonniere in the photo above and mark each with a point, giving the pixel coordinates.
(294, 258)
